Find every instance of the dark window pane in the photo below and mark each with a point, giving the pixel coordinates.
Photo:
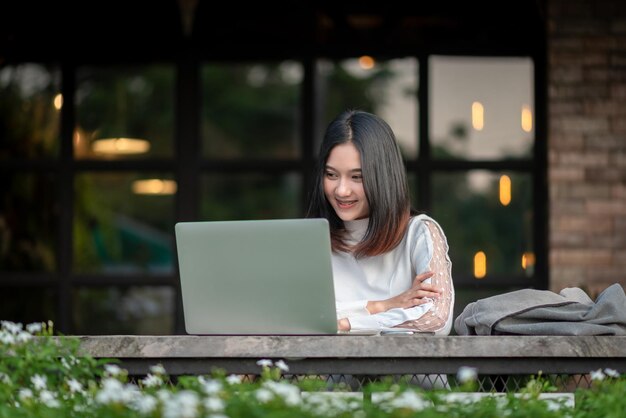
(389, 89)
(135, 310)
(413, 190)
(251, 111)
(250, 196)
(470, 208)
(28, 223)
(27, 304)
(30, 104)
(481, 107)
(124, 112)
(124, 222)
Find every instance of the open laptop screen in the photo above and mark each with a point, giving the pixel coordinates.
(258, 277)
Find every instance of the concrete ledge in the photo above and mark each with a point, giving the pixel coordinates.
(397, 354)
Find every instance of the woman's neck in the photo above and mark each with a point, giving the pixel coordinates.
(356, 229)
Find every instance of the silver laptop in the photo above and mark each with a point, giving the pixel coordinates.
(259, 277)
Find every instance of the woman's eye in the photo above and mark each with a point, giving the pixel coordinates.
(359, 177)
(330, 175)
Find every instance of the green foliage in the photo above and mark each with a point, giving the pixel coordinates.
(41, 376)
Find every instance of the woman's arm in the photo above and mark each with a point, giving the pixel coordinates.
(439, 317)
(418, 294)
(427, 306)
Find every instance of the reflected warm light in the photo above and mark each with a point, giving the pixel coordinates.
(154, 187)
(121, 146)
(480, 265)
(58, 101)
(528, 260)
(527, 118)
(478, 116)
(366, 62)
(505, 190)
(78, 138)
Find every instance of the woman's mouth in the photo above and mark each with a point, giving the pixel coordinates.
(346, 204)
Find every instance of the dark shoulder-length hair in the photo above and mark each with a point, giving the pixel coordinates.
(384, 183)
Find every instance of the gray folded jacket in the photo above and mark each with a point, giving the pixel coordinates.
(541, 312)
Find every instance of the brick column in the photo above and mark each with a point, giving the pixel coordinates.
(587, 142)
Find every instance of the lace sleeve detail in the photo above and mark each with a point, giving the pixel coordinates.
(438, 318)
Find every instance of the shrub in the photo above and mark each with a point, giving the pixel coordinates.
(46, 377)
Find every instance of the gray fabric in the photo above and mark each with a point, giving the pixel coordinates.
(541, 312)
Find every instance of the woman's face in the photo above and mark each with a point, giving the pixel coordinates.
(343, 183)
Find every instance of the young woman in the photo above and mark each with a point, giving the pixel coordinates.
(391, 268)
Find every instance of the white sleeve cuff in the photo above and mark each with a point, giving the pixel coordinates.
(352, 308)
(388, 319)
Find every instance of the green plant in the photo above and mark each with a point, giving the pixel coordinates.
(47, 377)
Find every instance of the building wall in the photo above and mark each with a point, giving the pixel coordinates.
(587, 142)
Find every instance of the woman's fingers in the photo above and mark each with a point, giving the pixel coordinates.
(421, 277)
(421, 293)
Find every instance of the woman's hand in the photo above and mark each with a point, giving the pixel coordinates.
(416, 295)
(343, 324)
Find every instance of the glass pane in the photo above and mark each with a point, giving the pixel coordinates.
(28, 223)
(146, 310)
(386, 88)
(251, 110)
(250, 196)
(30, 104)
(481, 108)
(413, 190)
(124, 112)
(471, 209)
(27, 304)
(124, 222)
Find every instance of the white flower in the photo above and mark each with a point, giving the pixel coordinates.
(214, 404)
(145, 404)
(184, 404)
(265, 363)
(7, 338)
(34, 328)
(282, 365)
(112, 369)
(164, 395)
(151, 381)
(24, 394)
(11, 327)
(75, 386)
(114, 392)
(4, 378)
(157, 369)
(409, 400)
(263, 395)
(233, 379)
(612, 373)
(111, 391)
(23, 336)
(466, 374)
(39, 381)
(287, 391)
(597, 375)
(210, 386)
(47, 398)
(65, 364)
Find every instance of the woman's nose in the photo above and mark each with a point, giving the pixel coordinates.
(343, 188)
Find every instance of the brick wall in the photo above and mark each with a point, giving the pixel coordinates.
(587, 142)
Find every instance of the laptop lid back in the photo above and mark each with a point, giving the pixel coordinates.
(256, 277)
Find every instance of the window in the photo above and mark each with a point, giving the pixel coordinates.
(95, 178)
